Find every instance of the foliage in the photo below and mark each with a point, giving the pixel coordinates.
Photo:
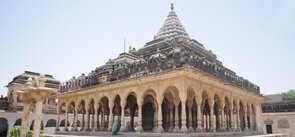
(29, 134)
(289, 95)
(42, 133)
(14, 132)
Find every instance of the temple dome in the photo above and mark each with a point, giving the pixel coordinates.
(172, 27)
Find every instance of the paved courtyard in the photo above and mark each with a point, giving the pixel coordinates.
(148, 134)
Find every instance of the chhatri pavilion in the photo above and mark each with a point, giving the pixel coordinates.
(171, 84)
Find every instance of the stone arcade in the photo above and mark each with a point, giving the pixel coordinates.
(172, 84)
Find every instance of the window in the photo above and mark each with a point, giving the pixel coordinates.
(268, 129)
(283, 123)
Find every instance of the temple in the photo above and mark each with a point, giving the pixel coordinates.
(171, 84)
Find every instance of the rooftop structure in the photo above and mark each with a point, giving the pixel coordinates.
(276, 104)
(170, 49)
(171, 84)
(19, 83)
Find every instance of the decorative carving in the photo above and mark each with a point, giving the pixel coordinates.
(268, 122)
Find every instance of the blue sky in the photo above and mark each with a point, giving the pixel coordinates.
(254, 38)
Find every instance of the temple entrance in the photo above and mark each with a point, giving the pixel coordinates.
(148, 116)
(132, 111)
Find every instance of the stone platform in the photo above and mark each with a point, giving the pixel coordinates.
(150, 134)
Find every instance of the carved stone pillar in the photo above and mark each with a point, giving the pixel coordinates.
(111, 105)
(183, 117)
(258, 118)
(38, 118)
(75, 120)
(232, 120)
(57, 119)
(24, 124)
(212, 123)
(251, 119)
(102, 121)
(96, 119)
(246, 119)
(222, 120)
(160, 126)
(123, 128)
(92, 120)
(176, 122)
(99, 122)
(87, 123)
(204, 122)
(199, 118)
(66, 120)
(171, 120)
(155, 122)
(83, 122)
(139, 120)
(238, 119)
(190, 120)
(208, 122)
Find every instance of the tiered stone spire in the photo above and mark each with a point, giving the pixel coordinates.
(172, 27)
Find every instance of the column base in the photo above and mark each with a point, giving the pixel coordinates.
(123, 129)
(232, 129)
(246, 129)
(96, 129)
(87, 129)
(199, 129)
(139, 129)
(74, 129)
(238, 129)
(109, 129)
(57, 129)
(82, 129)
(175, 129)
(222, 130)
(190, 129)
(23, 132)
(183, 130)
(212, 130)
(159, 130)
(66, 129)
(170, 129)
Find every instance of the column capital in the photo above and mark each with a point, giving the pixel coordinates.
(123, 103)
(222, 105)
(111, 104)
(160, 99)
(245, 108)
(198, 100)
(139, 102)
(211, 102)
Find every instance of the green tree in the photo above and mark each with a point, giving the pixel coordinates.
(289, 95)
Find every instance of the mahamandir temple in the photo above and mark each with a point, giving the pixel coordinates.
(171, 84)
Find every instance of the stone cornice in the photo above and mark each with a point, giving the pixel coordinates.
(172, 75)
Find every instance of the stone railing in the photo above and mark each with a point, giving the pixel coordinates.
(284, 106)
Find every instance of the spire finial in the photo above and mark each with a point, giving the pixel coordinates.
(172, 7)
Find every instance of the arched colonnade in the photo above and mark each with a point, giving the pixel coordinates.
(160, 110)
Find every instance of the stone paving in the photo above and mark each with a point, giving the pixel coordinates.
(148, 134)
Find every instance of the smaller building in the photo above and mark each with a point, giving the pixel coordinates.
(278, 115)
(18, 83)
(4, 104)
